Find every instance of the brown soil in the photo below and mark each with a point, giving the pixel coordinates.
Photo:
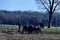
(44, 36)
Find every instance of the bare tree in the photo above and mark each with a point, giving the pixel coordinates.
(51, 6)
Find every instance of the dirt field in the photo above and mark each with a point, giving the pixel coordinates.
(17, 36)
(29, 36)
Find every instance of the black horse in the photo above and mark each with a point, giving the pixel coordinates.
(41, 25)
(25, 29)
(36, 30)
(37, 27)
(30, 29)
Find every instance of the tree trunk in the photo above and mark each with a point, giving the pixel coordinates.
(50, 16)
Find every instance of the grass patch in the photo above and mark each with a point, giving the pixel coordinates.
(51, 30)
(8, 27)
(57, 29)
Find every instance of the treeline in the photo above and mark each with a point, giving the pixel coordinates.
(27, 17)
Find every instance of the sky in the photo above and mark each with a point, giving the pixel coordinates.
(23, 5)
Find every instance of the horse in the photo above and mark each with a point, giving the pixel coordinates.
(25, 29)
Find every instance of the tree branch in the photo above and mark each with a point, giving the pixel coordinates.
(56, 6)
(55, 1)
(49, 2)
(52, 4)
(44, 6)
(45, 2)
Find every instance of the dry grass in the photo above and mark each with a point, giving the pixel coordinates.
(30, 37)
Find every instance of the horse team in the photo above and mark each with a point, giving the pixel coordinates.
(35, 28)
